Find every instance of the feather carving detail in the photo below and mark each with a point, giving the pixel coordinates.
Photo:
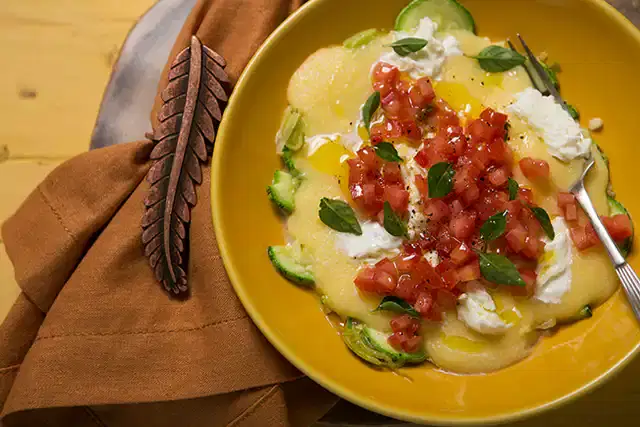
(193, 102)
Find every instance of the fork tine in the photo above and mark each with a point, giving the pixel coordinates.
(542, 74)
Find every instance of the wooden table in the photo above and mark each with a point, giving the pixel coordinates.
(46, 45)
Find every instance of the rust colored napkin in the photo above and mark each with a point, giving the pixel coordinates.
(93, 339)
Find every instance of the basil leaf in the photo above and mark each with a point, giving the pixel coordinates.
(498, 269)
(396, 305)
(494, 226)
(339, 216)
(393, 223)
(543, 218)
(440, 179)
(513, 189)
(409, 45)
(370, 106)
(496, 59)
(572, 111)
(386, 151)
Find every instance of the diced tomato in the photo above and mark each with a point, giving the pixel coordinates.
(407, 288)
(397, 340)
(571, 212)
(479, 131)
(526, 195)
(469, 272)
(534, 169)
(533, 247)
(529, 276)
(424, 303)
(412, 344)
(498, 177)
(456, 207)
(436, 210)
(387, 266)
(619, 226)
(397, 197)
(565, 199)
(499, 152)
(463, 225)
(384, 78)
(446, 299)
(369, 158)
(401, 323)
(365, 280)
(427, 95)
(494, 118)
(461, 254)
(516, 238)
(385, 283)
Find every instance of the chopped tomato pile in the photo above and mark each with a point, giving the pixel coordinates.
(582, 232)
(482, 164)
(373, 181)
(404, 103)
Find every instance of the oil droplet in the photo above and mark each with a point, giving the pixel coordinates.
(463, 344)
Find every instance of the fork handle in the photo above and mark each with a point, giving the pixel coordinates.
(628, 277)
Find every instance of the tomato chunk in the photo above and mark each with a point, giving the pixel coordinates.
(534, 169)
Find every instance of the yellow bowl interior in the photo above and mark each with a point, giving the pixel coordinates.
(599, 52)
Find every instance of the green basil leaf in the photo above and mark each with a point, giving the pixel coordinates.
(543, 218)
(494, 226)
(369, 108)
(498, 269)
(513, 189)
(386, 151)
(339, 216)
(393, 223)
(396, 305)
(496, 59)
(408, 45)
(440, 179)
(572, 111)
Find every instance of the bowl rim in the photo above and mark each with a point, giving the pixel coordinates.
(317, 376)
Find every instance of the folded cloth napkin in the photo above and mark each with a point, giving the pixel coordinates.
(93, 339)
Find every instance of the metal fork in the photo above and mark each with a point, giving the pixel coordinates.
(628, 277)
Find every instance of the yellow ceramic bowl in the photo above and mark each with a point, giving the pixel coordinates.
(600, 55)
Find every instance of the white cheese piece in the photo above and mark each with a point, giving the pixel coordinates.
(428, 61)
(477, 310)
(417, 219)
(563, 136)
(596, 124)
(373, 243)
(554, 266)
(433, 258)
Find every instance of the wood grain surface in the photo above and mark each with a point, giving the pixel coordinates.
(56, 57)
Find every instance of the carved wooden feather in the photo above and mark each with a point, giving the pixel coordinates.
(193, 103)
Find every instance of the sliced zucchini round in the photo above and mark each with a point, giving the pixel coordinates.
(448, 14)
(282, 191)
(372, 346)
(288, 261)
(617, 208)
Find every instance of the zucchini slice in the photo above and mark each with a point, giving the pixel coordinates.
(448, 14)
(291, 133)
(372, 346)
(617, 208)
(289, 262)
(282, 191)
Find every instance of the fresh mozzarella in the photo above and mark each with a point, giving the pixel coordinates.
(554, 266)
(433, 258)
(428, 61)
(477, 310)
(563, 136)
(373, 243)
